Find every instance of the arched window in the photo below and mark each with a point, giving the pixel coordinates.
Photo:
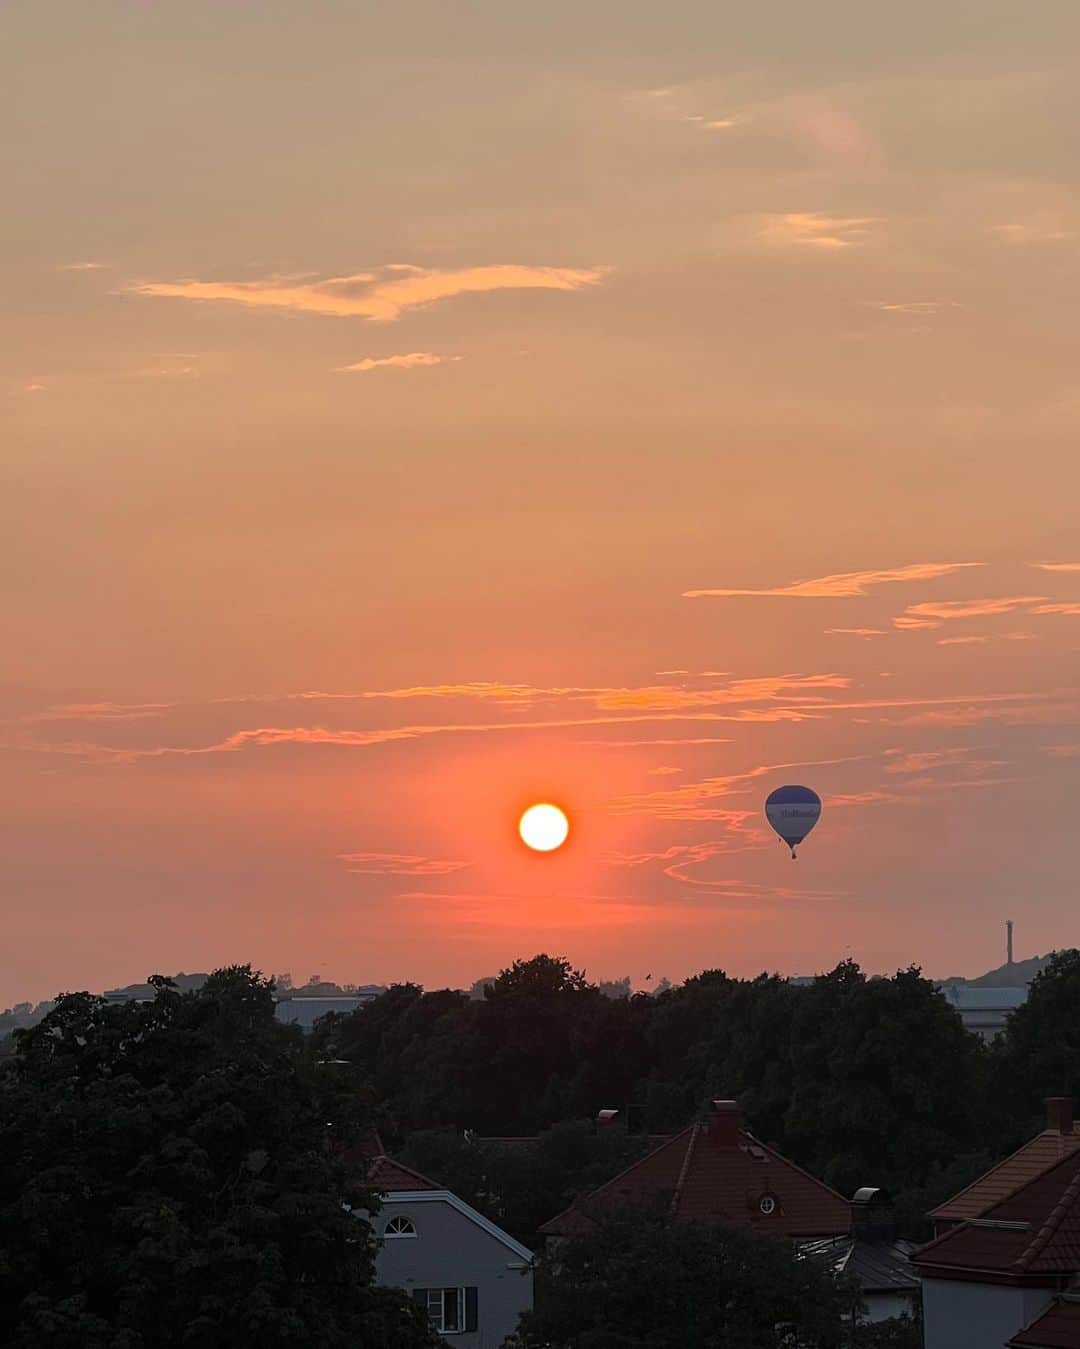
(767, 1205)
(400, 1227)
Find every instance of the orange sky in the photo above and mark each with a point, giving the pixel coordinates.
(406, 415)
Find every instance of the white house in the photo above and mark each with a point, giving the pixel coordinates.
(1008, 1249)
(472, 1278)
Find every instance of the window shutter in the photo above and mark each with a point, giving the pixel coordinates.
(470, 1308)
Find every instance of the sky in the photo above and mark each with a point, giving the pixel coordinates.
(411, 412)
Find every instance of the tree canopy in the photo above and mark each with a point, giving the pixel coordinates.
(167, 1179)
(643, 1281)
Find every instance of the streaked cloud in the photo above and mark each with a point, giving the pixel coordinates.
(103, 712)
(409, 361)
(1057, 608)
(82, 266)
(1071, 751)
(1056, 566)
(933, 613)
(845, 585)
(398, 864)
(811, 229)
(856, 632)
(665, 770)
(910, 307)
(382, 295)
(984, 638)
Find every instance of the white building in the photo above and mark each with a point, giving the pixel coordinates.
(471, 1278)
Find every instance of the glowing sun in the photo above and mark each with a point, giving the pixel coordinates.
(544, 827)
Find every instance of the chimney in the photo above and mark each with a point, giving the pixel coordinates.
(872, 1217)
(1008, 941)
(723, 1125)
(1059, 1114)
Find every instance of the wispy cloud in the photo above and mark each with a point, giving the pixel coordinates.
(383, 295)
(665, 770)
(923, 307)
(983, 638)
(1056, 566)
(81, 266)
(1057, 608)
(810, 229)
(847, 584)
(856, 632)
(409, 361)
(1064, 751)
(932, 613)
(398, 864)
(102, 712)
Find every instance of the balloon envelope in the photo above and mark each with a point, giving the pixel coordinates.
(793, 812)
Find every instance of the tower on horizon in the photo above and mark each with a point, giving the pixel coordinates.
(1008, 941)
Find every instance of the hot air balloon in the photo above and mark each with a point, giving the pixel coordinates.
(793, 812)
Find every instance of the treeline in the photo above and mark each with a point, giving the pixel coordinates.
(168, 1177)
(860, 1080)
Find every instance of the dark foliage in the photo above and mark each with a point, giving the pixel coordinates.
(861, 1080)
(642, 1281)
(166, 1180)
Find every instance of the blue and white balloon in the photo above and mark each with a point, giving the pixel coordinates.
(793, 812)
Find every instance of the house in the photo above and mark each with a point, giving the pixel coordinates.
(873, 1255)
(990, 1279)
(717, 1172)
(1058, 1327)
(1059, 1139)
(471, 1277)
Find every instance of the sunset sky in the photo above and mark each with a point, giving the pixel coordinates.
(409, 412)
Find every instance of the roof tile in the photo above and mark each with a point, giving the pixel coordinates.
(710, 1181)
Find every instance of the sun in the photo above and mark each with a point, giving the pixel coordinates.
(544, 827)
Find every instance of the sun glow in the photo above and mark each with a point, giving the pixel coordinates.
(544, 827)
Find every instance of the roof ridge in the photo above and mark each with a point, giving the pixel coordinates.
(786, 1161)
(599, 1189)
(695, 1131)
(385, 1157)
(1052, 1223)
(1017, 1185)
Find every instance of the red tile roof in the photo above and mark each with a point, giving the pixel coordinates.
(722, 1181)
(386, 1176)
(1026, 1164)
(1035, 1231)
(1056, 1328)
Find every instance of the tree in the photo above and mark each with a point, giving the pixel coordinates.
(641, 1280)
(1039, 1053)
(166, 1180)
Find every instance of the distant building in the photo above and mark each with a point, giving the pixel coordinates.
(984, 1011)
(297, 1010)
(471, 1278)
(1004, 1264)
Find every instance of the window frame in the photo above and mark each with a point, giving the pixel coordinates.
(410, 1235)
(440, 1324)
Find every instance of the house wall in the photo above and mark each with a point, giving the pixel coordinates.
(450, 1251)
(964, 1315)
(882, 1306)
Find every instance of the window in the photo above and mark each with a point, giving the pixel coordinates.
(767, 1205)
(451, 1310)
(400, 1227)
(446, 1307)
